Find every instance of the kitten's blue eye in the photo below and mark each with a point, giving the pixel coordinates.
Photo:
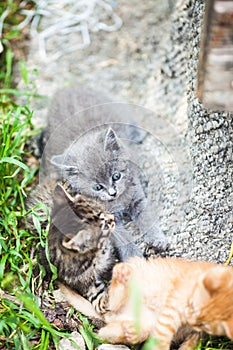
(116, 176)
(98, 187)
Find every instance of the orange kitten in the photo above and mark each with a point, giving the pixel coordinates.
(158, 297)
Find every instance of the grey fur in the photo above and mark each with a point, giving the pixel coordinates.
(93, 160)
(75, 111)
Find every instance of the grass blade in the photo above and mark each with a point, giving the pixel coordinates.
(15, 162)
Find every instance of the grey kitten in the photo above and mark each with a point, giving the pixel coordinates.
(99, 165)
(80, 245)
(83, 145)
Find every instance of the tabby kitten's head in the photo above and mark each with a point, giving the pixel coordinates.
(211, 306)
(81, 221)
(97, 165)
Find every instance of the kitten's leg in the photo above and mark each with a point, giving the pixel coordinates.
(191, 342)
(124, 238)
(101, 304)
(123, 332)
(164, 337)
(118, 288)
(78, 302)
(166, 327)
(187, 338)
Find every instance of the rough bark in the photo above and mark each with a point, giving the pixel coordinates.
(207, 229)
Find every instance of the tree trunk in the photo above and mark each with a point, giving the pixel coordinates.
(206, 232)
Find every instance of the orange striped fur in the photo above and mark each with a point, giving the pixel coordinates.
(168, 298)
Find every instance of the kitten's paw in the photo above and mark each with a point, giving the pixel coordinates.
(131, 333)
(113, 333)
(156, 248)
(102, 304)
(121, 273)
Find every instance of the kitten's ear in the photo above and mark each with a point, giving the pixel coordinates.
(211, 282)
(228, 326)
(61, 196)
(60, 161)
(217, 278)
(200, 294)
(111, 141)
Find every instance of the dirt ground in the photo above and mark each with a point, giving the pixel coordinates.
(121, 63)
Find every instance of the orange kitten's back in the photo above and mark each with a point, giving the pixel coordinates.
(162, 275)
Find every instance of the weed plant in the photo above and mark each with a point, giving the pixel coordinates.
(22, 324)
(21, 321)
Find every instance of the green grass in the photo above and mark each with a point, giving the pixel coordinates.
(20, 317)
(9, 10)
(22, 324)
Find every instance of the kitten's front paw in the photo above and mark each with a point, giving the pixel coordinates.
(132, 334)
(121, 273)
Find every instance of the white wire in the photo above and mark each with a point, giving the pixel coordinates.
(2, 19)
(65, 17)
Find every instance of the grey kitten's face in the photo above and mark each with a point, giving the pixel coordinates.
(108, 181)
(112, 188)
(97, 168)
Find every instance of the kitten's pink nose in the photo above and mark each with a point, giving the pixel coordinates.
(112, 192)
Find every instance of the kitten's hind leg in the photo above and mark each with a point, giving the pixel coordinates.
(191, 343)
(78, 302)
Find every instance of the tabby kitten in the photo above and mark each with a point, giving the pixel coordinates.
(80, 246)
(175, 294)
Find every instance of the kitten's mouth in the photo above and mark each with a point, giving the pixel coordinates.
(112, 199)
